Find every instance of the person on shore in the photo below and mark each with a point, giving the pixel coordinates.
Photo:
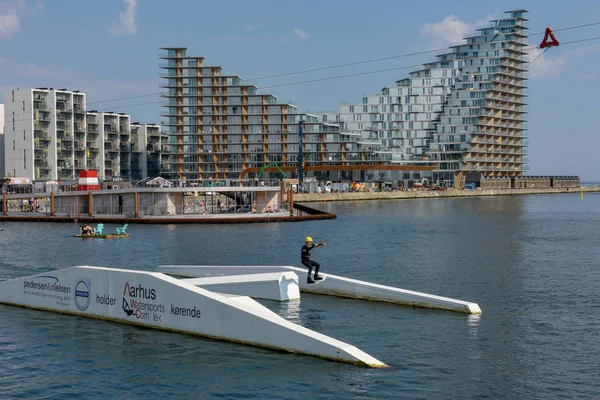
(308, 262)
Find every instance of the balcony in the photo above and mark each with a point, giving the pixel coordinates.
(42, 175)
(66, 174)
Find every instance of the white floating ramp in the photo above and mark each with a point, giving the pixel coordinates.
(334, 285)
(156, 300)
(280, 286)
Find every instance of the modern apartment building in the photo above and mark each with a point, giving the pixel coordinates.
(218, 126)
(464, 111)
(398, 122)
(108, 144)
(51, 136)
(42, 127)
(146, 147)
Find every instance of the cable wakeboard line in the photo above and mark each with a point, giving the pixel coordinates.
(548, 41)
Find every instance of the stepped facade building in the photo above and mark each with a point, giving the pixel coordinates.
(219, 126)
(464, 111)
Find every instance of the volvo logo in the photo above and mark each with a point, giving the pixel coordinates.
(82, 294)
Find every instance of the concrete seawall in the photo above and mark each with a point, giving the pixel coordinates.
(425, 194)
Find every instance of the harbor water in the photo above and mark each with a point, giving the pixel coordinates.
(532, 263)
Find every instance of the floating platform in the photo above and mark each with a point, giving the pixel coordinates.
(280, 286)
(107, 236)
(155, 300)
(334, 285)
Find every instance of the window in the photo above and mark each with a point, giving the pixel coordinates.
(13, 96)
(23, 105)
(23, 134)
(24, 159)
(13, 144)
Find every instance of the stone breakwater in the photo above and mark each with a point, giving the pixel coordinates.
(427, 194)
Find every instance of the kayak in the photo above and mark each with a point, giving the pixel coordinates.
(107, 236)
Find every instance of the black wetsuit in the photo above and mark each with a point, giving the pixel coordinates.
(307, 262)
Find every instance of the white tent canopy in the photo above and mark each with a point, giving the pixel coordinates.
(159, 182)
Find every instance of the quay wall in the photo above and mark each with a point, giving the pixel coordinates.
(426, 194)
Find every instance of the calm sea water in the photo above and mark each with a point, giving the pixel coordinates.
(531, 262)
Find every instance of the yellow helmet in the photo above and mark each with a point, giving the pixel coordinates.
(308, 239)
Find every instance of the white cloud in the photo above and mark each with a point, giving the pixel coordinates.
(451, 30)
(125, 25)
(541, 66)
(545, 67)
(9, 25)
(252, 27)
(11, 13)
(301, 34)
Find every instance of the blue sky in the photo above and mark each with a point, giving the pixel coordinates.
(109, 49)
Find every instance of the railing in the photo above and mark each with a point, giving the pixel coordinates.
(43, 118)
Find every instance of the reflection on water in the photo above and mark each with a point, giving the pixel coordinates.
(289, 310)
(529, 261)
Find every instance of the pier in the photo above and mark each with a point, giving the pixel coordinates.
(221, 202)
(437, 194)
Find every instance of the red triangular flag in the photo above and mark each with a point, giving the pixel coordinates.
(549, 43)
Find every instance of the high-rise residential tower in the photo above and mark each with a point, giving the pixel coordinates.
(464, 111)
(482, 130)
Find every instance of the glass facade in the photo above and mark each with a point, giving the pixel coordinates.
(235, 128)
(464, 111)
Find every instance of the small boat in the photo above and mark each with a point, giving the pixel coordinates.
(106, 236)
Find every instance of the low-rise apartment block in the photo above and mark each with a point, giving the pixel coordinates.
(51, 136)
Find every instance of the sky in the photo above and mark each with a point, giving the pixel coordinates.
(109, 50)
